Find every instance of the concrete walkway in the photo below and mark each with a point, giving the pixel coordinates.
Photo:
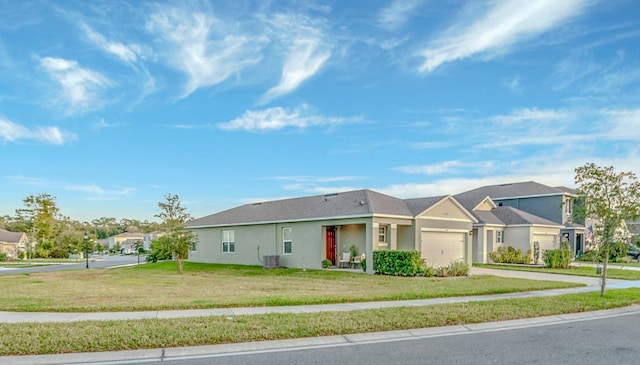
(592, 284)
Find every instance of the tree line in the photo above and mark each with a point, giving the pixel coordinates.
(54, 235)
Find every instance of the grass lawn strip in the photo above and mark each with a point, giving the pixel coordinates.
(92, 336)
(612, 272)
(159, 287)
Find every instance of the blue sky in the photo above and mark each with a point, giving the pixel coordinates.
(110, 105)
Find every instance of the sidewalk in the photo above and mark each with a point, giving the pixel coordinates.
(592, 284)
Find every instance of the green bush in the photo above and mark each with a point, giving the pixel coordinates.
(326, 263)
(624, 260)
(558, 259)
(398, 263)
(363, 263)
(509, 255)
(3, 256)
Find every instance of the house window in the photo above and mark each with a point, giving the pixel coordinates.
(382, 234)
(499, 236)
(567, 207)
(194, 246)
(286, 241)
(228, 241)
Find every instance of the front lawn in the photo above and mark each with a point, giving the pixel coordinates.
(159, 287)
(612, 272)
(92, 336)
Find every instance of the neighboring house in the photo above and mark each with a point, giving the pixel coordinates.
(148, 239)
(554, 204)
(302, 232)
(126, 239)
(12, 243)
(503, 226)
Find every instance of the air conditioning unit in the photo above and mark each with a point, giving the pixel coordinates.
(271, 261)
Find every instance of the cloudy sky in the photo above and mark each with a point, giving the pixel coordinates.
(111, 105)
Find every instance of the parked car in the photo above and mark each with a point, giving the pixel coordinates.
(634, 252)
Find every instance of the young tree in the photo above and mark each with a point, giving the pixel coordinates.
(178, 238)
(39, 217)
(610, 198)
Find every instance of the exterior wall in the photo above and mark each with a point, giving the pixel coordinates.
(252, 242)
(548, 207)
(406, 238)
(350, 234)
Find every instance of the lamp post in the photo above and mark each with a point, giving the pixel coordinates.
(86, 247)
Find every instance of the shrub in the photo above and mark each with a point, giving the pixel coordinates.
(509, 255)
(624, 260)
(558, 259)
(399, 263)
(456, 268)
(363, 263)
(590, 256)
(3, 256)
(326, 263)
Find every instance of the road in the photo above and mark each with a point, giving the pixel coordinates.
(95, 262)
(611, 340)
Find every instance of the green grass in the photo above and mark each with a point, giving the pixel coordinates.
(160, 287)
(92, 336)
(612, 272)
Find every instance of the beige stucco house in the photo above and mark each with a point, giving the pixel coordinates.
(302, 232)
(12, 243)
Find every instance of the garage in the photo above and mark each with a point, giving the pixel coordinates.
(546, 241)
(441, 248)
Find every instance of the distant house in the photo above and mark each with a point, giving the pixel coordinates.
(554, 204)
(302, 232)
(12, 243)
(125, 240)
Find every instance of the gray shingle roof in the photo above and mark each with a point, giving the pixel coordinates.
(511, 215)
(511, 190)
(347, 204)
(10, 237)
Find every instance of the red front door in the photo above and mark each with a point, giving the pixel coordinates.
(331, 244)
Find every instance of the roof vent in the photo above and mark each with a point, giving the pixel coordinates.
(258, 203)
(360, 202)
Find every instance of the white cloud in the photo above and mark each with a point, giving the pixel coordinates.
(98, 192)
(308, 51)
(306, 57)
(397, 13)
(533, 116)
(80, 86)
(622, 124)
(513, 84)
(279, 118)
(505, 24)
(203, 46)
(11, 132)
(125, 53)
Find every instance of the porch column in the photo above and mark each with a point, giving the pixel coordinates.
(393, 237)
(369, 227)
(482, 246)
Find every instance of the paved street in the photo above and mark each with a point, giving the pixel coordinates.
(95, 262)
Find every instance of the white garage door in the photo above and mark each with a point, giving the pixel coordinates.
(442, 248)
(546, 241)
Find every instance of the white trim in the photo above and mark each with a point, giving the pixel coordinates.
(444, 230)
(281, 221)
(537, 196)
(447, 219)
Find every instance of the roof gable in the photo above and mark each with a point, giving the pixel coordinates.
(440, 207)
